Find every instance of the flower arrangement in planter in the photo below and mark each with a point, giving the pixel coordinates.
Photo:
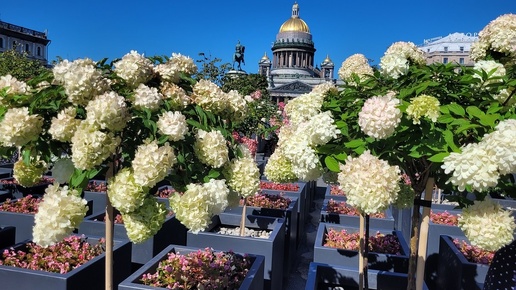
(38, 188)
(62, 257)
(341, 207)
(379, 243)
(279, 186)
(28, 204)
(474, 254)
(265, 200)
(165, 192)
(96, 186)
(444, 218)
(207, 269)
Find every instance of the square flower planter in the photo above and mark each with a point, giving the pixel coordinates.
(172, 232)
(324, 276)
(86, 277)
(98, 197)
(291, 226)
(352, 220)
(7, 234)
(454, 271)
(328, 193)
(349, 258)
(272, 248)
(252, 281)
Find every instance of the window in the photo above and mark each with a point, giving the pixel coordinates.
(1, 42)
(461, 60)
(428, 50)
(14, 45)
(39, 51)
(445, 60)
(461, 49)
(27, 48)
(445, 49)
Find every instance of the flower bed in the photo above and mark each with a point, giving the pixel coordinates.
(279, 186)
(339, 212)
(444, 218)
(223, 270)
(37, 189)
(334, 192)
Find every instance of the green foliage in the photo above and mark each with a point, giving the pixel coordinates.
(211, 70)
(19, 65)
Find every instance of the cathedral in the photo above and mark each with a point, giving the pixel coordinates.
(291, 71)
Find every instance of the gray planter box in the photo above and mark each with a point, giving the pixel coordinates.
(98, 197)
(86, 277)
(253, 280)
(454, 271)
(328, 195)
(351, 220)
(172, 232)
(325, 277)
(272, 248)
(7, 234)
(349, 258)
(443, 206)
(291, 226)
(5, 194)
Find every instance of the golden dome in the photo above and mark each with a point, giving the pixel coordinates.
(295, 23)
(265, 57)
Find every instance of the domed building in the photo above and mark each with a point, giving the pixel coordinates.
(291, 72)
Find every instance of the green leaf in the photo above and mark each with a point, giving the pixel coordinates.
(79, 177)
(195, 124)
(457, 109)
(438, 157)
(445, 119)
(355, 143)
(341, 156)
(448, 137)
(489, 120)
(332, 163)
(475, 112)
(466, 127)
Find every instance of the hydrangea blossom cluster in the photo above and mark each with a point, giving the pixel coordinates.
(90, 146)
(479, 165)
(356, 64)
(195, 207)
(28, 174)
(279, 167)
(305, 162)
(81, 79)
(134, 68)
(177, 64)
(209, 96)
(243, 176)
(147, 98)
(394, 65)
(145, 221)
(380, 116)
(498, 71)
(108, 111)
(423, 106)
(176, 95)
(409, 50)
(237, 106)
(498, 36)
(172, 124)
(487, 225)
(304, 107)
(124, 193)
(370, 183)
(152, 163)
(19, 127)
(60, 212)
(63, 127)
(14, 86)
(321, 129)
(210, 148)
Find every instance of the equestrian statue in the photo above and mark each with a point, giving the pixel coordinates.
(238, 56)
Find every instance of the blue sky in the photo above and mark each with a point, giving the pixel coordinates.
(111, 28)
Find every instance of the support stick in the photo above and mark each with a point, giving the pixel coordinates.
(361, 254)
(423, 236)
(109, 244)
(242, 220)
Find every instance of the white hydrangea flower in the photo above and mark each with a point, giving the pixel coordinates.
(304, 107)
(177, 64)
(210, 97)
(210, 148)
(501, 146)
(152, 163)
(370, 183)
(472, 167)
(145, 221)
(90, 146)
(108, 111)
(498, 36)
(409, 50)
(380, 116)
(320, 129)
(175, 95)
(279, 168)
(134, 68)
(243, 176)
(423, 106)
(59, 213)
(323, 88)
(62, 170)
(13, 85)
(81, 79)
(394, 65)
(237, 106)
(488, 66)
(218, 192)
(19, 127)
(355, 64)
(124, 193)
(63, 127)
(173, 124)
(304, 160)
(29, 174)
(147, 98)
(487, 225)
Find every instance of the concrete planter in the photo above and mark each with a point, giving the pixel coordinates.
(325, 276)
(7, 235)
(454, 271)
(349, 258)
(86, 277)
(328, 195)
(272, 248)
(351, 220)
(253, 280)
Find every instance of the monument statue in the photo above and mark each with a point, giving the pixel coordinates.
(238, 56)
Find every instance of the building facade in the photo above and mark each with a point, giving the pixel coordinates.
(291, 72)
(453, 48)
(24, 40)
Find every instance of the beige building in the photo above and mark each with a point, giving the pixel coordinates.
(453, 48)
(34, 43)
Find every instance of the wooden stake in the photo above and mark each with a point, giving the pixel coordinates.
(361, 254)
(242, 220)
(423, 236)
(109, 244)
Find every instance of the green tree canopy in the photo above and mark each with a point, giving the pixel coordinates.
(19, 65)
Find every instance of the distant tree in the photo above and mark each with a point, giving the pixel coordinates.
(211, 70)
(246, 85)
(19, 65)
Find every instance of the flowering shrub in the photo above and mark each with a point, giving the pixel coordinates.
(474, 254)
(27, 204)
(279, 186)
(340, 207)
(62, 257)
(275, 201)
(379, 243)
(206, 269)
(444, 218)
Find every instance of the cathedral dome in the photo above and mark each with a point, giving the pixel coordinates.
(295, 23)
